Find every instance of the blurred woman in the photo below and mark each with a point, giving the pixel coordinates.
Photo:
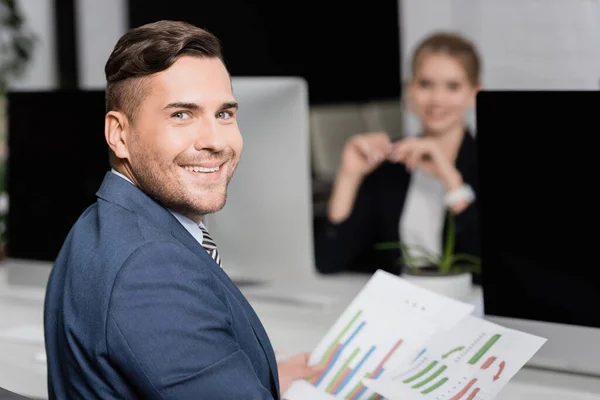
(401, 191)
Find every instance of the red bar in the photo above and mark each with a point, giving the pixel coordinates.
(489, 362)
(465, 390)
(473, 394)
(388, 355)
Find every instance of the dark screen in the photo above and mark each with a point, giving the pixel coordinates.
(57, 160)
(347, 52)
(540, 205)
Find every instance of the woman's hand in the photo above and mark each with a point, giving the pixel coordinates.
(426, 154)
(363, 153)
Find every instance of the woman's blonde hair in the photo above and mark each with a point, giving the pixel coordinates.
(452, 44)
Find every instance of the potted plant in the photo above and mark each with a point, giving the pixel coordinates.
(449, 274)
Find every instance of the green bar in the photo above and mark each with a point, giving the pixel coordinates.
(437, 385)
(341, 371)
(452, 351)
(337, 339)
(432, 377)
(484, 349)
(420, 374)
(355, 390)
(374, 396)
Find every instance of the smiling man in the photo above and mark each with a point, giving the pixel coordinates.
(137, 304)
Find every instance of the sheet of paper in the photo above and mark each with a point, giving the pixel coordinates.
(472, 361)
(386, 324)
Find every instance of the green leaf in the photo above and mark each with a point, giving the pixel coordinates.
(450, 237)
(466, 257)
(387, 245)
(466, 268)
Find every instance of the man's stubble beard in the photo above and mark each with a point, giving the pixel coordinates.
(172, 194)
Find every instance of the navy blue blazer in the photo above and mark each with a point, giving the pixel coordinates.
(135, 308)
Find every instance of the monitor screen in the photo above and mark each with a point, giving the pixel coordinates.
(539, 206)
(57, 158)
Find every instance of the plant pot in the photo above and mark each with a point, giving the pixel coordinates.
(456, 285)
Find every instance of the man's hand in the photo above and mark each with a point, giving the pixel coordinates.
(295, 368)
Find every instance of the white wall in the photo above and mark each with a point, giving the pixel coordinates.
(99, 25)
(41, 71)
(524, 44)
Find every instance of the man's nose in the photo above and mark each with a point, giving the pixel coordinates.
(210, 137)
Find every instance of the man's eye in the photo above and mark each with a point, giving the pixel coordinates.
(224, 114)
(181, 115)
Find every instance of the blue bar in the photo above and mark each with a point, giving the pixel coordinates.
(379, 373)
(420, 353)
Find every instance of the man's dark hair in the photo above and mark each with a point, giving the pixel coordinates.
(149, 49)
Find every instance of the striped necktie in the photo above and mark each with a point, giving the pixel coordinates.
(210, 246)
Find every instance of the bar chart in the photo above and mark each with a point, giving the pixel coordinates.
(472, 361)
(346, 360)
(364, 347)
(387, 324)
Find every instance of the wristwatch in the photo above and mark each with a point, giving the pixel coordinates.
(462, 193)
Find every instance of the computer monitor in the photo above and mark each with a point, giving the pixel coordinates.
(539, 214)
(265, 230)
(57, 158)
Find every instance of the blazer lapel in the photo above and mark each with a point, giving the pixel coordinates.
(181, 234)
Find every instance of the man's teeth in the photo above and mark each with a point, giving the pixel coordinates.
(201, 169)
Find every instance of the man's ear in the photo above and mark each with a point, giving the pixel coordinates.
(116, 128)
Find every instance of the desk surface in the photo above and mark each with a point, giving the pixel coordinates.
(295, 317)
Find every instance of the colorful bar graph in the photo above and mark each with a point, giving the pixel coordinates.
(360, 389)
(484, 349)
(350, 375)
(344, 370)
(335, 349)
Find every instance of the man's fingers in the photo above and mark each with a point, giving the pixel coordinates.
(310, 371)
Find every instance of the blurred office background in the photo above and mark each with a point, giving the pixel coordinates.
(353, 57)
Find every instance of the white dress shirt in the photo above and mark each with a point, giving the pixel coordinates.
(422, 219)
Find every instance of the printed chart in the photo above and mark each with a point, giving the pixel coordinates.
(384, 328)
(473, 361)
